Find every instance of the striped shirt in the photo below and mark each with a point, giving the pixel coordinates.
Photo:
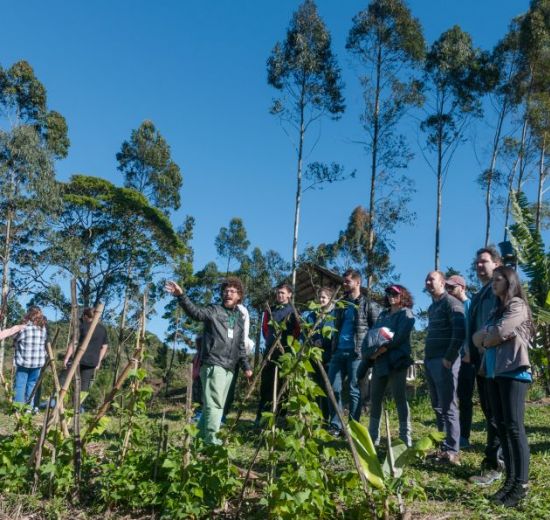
(30, 347)
(446, 328)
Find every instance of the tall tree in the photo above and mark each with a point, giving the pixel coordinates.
(304, 69)
(454, 83)
(146, 163)
(31, 139)
(231, 243)
(535, 45)
(389, 44)
(147, 166)
(503, 72)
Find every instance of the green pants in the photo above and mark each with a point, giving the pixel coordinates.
(215, 385)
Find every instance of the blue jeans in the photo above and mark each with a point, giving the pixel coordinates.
(342, 363)
(25, 380)
(443, 383)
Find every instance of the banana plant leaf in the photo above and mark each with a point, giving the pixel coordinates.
(367, 455)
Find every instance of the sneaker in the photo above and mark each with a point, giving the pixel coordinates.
(515, 496)
(486, 478)
(448, 457)
(335, 431)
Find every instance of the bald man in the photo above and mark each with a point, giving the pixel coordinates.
(446, 333)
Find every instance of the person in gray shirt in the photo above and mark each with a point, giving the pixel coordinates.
(446, 332)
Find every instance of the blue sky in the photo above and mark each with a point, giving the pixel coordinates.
(198, 71)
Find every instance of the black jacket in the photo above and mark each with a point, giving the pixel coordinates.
(217, 348)
(365, 317)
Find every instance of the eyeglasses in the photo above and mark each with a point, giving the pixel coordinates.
(392, 293)
(450, 287)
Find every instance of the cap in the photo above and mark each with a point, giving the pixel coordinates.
(393, 289)
(455, 280)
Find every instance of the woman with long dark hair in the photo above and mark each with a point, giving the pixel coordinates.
(505, 341)
(390, 362)
(30, 355)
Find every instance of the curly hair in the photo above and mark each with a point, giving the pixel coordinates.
(235, 283)
(406, 298)
(34, 315)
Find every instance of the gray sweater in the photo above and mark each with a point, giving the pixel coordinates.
(446, 328)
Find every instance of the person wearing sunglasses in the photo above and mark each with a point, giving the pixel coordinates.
(391, 361)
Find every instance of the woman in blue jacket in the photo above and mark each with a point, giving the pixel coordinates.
(391, 361)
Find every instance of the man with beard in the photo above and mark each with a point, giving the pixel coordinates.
(222, 349)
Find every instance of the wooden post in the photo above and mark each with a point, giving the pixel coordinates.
(41, 441)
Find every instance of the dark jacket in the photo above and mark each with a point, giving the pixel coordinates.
(285, 316)
(446, 328)
(365, 317)
(217, 348)
(398, 355)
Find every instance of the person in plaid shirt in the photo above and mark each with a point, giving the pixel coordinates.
(30, 354)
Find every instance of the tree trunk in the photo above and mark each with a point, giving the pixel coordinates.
(491, 171)
(439, 194)
(542, 177)
(374, 164)
(5, 282)
(298, 190)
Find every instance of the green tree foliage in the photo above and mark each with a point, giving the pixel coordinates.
(351, 249)
(304, 69)
(231, 242)
(146, 163)
(89, 243)
(389, 44)
(455, 79)
(31, 139)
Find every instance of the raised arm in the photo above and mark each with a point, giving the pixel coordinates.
(194, 311)
(6, 333)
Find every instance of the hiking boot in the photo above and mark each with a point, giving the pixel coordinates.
(487, 477)
(515, 496)
(502, 492)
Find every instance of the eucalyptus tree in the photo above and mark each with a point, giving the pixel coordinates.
(454, 84)
(231, 242)
(535, 47)
(304, 70)
(388, 43)
(146, 163)
(503, 72)
(32, 137)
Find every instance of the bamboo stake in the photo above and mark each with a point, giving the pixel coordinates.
(188, 416)
(76, 433)
(159, 446)
(135, 383)
(41, 441)
(273, 426)
(59, 412)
